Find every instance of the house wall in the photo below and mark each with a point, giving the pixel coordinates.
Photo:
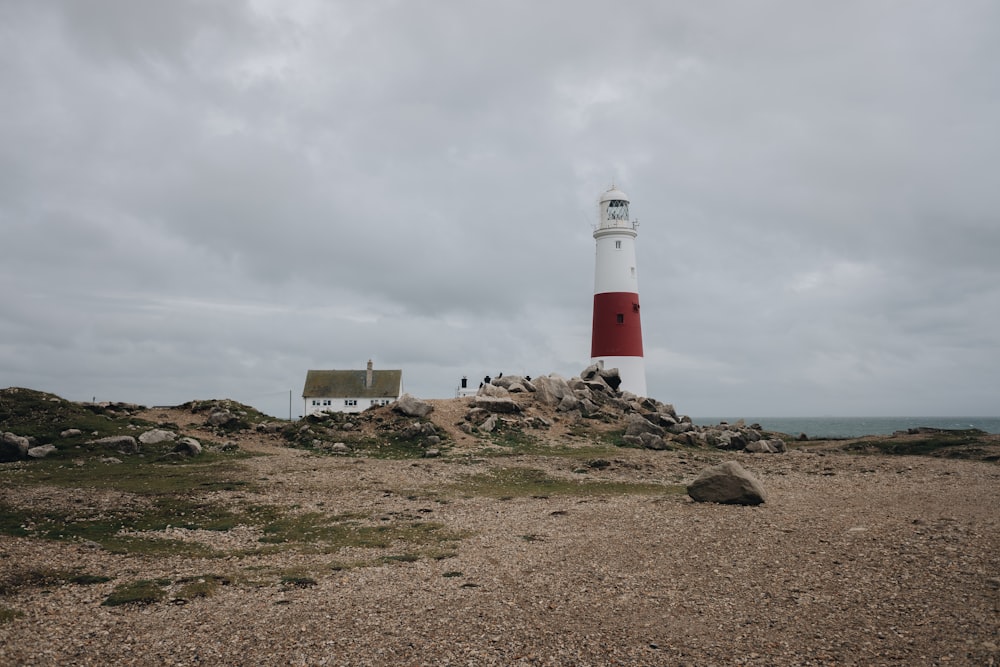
(330, 404)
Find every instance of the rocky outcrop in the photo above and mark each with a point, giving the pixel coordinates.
(727, 483)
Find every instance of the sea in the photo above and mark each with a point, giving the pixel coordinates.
(855, 427)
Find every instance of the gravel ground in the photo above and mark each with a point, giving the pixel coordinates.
(853, 560)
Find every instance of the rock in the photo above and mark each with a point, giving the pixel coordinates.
(612, 378)
(568, 403)
(41, 451)
(13, 447)
(494, 390)
(229, 446)
(156, 436)
(550, 389)
(495, 404)
(412, 407)
(70, 433)
(220, 417)
(188, 447)
(269, 427)
(340, 448)
(488, 425)
(760, 447)
(652, 441)
(727, 483)
(432, 453)
(109, 459)
(123, 443)
(637, 425)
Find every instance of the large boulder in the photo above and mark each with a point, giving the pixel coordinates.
(612, 378)
(188, 447)
(496, 404)
(727, 483)
(41, 451)
(550, 389)
(494, 390)
(412, 407)
(156, 436)
(220, 417)
(13, 447)
(121, 443)
(637, 425)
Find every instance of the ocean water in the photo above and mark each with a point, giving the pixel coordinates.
(854, 427)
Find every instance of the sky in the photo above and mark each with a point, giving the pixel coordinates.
(205, 199)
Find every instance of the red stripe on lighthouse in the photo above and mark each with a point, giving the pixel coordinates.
(617, 331)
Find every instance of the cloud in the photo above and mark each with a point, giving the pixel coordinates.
(209, 198)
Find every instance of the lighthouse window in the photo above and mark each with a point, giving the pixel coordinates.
(618, 210)
(620, 318)
(618, 245)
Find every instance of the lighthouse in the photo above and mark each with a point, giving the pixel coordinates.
(616, 341)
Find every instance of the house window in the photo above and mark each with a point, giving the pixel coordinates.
(315, 402)
(327, 401)
(621, 318)
(350, 402)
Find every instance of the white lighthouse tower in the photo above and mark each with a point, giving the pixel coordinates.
(616, 341)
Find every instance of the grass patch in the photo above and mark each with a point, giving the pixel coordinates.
(203, 586)
(7, 615)
(946, 443)
(520, 482)
(141, 592)
(12, 581)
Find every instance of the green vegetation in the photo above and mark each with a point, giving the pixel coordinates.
(202, 586)
(141, 592)
(517, 482)
(7, 615)
(930, 442)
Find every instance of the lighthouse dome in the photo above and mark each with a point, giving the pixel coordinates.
(614, 194)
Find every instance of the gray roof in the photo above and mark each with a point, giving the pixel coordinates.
(351, 384)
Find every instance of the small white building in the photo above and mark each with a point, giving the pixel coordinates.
(350, 391)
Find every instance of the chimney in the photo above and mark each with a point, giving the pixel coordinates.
(368, 376)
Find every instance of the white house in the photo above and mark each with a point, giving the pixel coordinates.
(350, 391)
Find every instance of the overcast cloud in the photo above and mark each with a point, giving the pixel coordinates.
(206, 199)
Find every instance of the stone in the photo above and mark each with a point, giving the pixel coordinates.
(41, 451)
(156, 436)
(412, 407)
(728, 483)
(568, 403)
(612, 378)
(637, 425)
(70, 433)
(432, 453)
(122, 443)
(340, 448)
(494, 390)
(220, 417)
(759, 447)
(652, 441)
(496, 404)
(550, 389)
(188, 447)
(488, 425)
(13, 447)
